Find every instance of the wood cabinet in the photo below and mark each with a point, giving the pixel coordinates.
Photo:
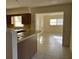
(26, 19)
(8, 20)
(27, 48)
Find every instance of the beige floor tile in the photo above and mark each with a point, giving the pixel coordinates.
(49, 46)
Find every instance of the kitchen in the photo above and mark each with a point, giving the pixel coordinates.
(20, 36)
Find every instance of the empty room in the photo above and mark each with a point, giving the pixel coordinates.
(38, 29)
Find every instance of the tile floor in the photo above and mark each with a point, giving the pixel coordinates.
(49, 46)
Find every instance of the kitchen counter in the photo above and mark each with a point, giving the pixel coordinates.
(27, 45)
(21, 36)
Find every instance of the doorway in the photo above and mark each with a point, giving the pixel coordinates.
(51, 24)
(49, 28)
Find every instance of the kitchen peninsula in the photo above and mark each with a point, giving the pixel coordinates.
(25, 37)
(27, 45)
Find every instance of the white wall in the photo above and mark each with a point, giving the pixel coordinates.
(67, 9)
(57, 29)
(39, 22)
(20, 10)
(42, 22)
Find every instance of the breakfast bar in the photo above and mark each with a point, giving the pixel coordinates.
(27, 45)
(22, 44)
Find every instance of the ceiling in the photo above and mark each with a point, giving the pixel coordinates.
(33, 3)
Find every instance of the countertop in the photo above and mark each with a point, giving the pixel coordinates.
(24, 35)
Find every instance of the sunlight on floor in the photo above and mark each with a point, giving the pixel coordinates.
(49, 46)
(59, 39)
(41, 39)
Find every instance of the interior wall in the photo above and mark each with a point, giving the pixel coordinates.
(67, 9)
(57, 29)
(42, 23)
(17, 10)
(39, 22)
(71, 43)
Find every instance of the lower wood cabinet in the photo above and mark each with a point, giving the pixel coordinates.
(27, 48)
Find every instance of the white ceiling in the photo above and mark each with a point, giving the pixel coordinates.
(33, 3)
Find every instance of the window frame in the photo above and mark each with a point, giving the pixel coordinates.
(50, 23)
(14, 22)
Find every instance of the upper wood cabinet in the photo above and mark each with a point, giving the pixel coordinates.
(26, 18)
(8, 17)
(8, 21)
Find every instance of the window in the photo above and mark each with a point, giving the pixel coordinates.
(59, 21)
(56, 21)
(53, 22)
(17, 21)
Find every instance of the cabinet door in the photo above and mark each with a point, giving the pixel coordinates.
(27, 48)
(26, 18)
(8, 20)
